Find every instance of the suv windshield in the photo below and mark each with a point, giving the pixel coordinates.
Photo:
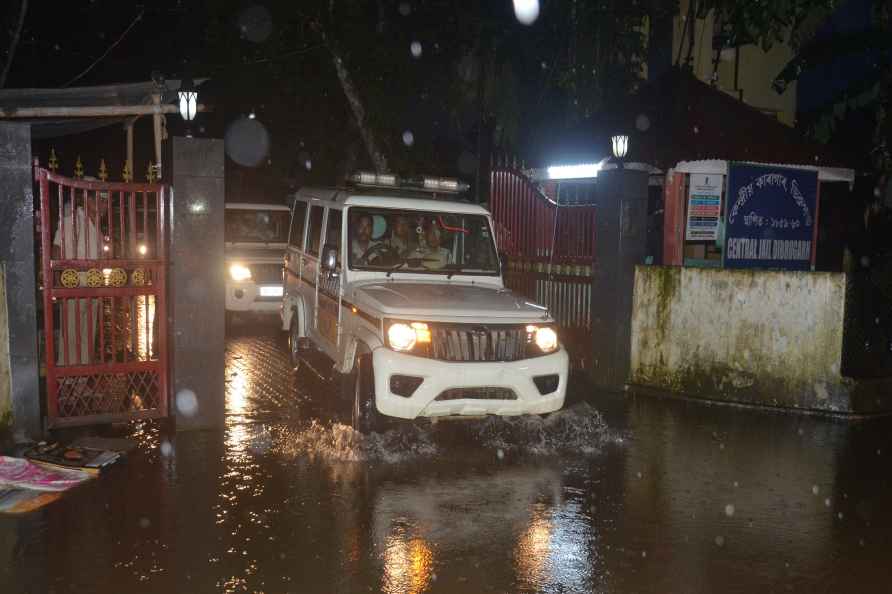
(417, 241)
(244, 225)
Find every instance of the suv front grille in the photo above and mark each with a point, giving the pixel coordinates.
(266, 273)
(478, 343)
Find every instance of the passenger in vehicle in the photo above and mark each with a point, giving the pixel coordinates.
(403, 240)
(434, 256)
(362, 241)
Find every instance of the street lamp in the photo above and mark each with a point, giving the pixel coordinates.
(188, 96)
(620, 145)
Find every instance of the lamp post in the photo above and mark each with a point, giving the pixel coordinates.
(620, 148)
(188, 96)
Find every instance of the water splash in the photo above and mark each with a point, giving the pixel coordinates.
(337, 442)
(577, 430)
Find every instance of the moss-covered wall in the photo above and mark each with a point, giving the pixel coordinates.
(5, 391)
(771, 338)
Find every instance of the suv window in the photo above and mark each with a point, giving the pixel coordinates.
(315, 230)
(256, 225)
(333, 231)
(419, 241)
(298, 220)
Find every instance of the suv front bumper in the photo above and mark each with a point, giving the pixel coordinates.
(440, 376)
(246, 297)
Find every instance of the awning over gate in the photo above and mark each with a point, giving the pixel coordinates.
(116, 95)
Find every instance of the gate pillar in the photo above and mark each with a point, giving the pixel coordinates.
(197, 286)
(620, 244)
(17, 258)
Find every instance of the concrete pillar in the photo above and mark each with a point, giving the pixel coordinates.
(620, 244)
(17, 257)
(197, 283)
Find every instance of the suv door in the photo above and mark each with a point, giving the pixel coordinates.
(329, 293)
(309, 268)
(291, 269)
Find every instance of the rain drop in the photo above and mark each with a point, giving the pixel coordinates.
(415, 48)
(729, 510)
(643, 554)
(405, 8)
(642, 122)
(865, 261)
(720, 541)
(815, 490)
(408, 138)
(526, 11)
(736, 484)
(839, 515)
(500, 454)
(166, 448)
(827, 502)
(187, 402)
(308, 164)
(144, 523)
(639, 474)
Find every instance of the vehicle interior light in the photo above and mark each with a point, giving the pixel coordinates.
(143, 249)
(239, 272)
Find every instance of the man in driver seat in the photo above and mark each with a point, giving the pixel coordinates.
(363, 243)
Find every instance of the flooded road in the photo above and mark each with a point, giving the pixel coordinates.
(610, 495)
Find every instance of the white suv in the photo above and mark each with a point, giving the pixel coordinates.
(256, 236)
(403, 291)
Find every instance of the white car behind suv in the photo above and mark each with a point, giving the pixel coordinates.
(400, 285)
(256, 236)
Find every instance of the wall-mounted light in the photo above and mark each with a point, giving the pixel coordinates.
(580, 171)
(188, 96)
(620, 145)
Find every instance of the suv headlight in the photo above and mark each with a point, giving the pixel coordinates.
(403, 336)
(238, 272)
(544, 337)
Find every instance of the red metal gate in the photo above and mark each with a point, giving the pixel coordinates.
(104, 264)
(551, 253)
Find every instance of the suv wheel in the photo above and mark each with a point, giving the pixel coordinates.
(294, 341)
(366, 418)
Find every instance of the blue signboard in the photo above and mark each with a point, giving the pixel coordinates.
(770, 217)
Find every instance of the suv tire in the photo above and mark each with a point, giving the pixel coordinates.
(365, 417)
(294, 341)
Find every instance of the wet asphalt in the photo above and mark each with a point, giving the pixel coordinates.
(613, 494)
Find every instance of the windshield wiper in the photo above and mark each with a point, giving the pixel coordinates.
(397, 267)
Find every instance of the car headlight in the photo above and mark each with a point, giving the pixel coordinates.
(239, 272)
(544, 337)
(403, 336)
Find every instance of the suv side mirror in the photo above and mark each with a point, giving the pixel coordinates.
(329, 257)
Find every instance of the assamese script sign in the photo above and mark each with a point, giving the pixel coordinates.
(771, 217)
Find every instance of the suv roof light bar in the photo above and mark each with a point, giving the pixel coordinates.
(370, 178)
(426, 183)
